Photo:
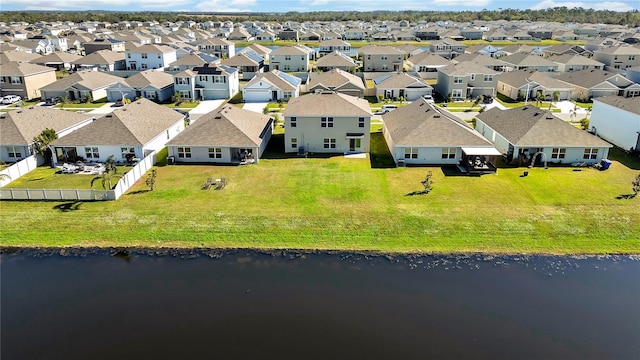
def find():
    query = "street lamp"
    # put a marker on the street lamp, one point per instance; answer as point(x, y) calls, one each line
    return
point(526, 96)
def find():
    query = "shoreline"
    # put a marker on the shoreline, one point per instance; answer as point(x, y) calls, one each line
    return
point(216, 253)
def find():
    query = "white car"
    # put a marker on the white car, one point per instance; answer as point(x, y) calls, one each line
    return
point(11, 99)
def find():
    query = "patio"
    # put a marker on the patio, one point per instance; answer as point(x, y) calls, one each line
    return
point(82, 168)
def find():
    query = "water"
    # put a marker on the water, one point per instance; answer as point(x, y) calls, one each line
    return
point(317, 306)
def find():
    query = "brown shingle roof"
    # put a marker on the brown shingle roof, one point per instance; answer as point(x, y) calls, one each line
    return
point(628, 104)
point(19, 127)
point(85, 79)
point(228, 126)
point(22, 69)
point(327, 103)
point(134, 124)
point(531, 126)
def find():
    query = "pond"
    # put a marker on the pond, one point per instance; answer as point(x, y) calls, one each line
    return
point(98, 304)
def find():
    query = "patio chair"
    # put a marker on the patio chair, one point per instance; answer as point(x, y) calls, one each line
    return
point(207, 184)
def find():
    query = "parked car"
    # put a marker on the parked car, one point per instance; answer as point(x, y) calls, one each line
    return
point(53, 100)
point(487, 99)
point(429, 98)
point(118, 103)
point(11, 99)
point(386, 108)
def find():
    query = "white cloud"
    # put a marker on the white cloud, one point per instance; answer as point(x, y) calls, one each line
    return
point(226, 5)
point(607, 5)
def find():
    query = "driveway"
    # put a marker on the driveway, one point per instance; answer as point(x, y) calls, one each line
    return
point(206, 106)
point(255, 106)
point(104, 109)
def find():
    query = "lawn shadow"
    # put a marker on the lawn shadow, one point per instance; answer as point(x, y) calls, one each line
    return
point(138, 192)
point(414, 193)
point(69, 206)
point(626, 196)
point(451, 170)
point(628, 159)
point(379, 155)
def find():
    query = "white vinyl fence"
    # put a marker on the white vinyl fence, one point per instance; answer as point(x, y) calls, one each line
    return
point(18, 169)
point(125, 183)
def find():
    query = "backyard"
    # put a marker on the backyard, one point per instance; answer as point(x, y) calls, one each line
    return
point(333, 202)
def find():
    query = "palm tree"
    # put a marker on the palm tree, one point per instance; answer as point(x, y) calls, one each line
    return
point(42, 141)
point(476, 102)
point(109, 174)
point(539, 98)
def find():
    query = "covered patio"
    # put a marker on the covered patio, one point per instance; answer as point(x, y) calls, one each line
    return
point(478, 160)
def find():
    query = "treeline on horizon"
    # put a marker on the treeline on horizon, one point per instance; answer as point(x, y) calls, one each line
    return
point(558, 14)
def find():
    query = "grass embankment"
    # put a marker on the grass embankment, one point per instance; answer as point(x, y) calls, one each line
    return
point(340, 203)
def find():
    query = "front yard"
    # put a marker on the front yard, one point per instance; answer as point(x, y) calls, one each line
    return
point(345, 203)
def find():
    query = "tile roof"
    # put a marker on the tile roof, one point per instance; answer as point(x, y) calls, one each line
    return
point(326, 104)
point(422, 124)
point(531, 126)
point(19, 127)
point(136, 123)
point(227, 126)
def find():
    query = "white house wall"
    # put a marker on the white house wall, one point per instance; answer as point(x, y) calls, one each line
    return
point(615, 125)
point(311, 135)
point(160, 141)
point(426, 155)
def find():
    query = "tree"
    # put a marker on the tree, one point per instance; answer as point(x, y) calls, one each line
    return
point(109, 174)
point(42, 141)
point(636, 185)
point(89, 98)
point(427, 183)
point(584, 123)
point(556, 96)
point(539, 98)
point(476, 102)
point(177, 96)
point(151, 180)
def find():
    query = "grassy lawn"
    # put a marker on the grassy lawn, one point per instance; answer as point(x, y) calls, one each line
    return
point(79, 106)
point(183, 104)
point(353, 204)
point(44, 177)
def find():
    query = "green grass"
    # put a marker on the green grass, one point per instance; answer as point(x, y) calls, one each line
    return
point(350, 204)
point(45, 177)
point(79, 106)
point(183, 104)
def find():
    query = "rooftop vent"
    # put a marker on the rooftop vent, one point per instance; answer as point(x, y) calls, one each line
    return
point(109, 115)
point(436, 116)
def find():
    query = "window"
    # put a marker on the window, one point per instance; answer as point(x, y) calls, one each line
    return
point(16, 80)
point(159, 56)
point(329, 143)
point(473, 77)
point(202, 78)
point(128, 56)
point(449, 153)
point(91, 153)
point(410, 153)
point(294, 143)
point(632, 57)
point(288, 95)
point(287, 57)
point(326, 121)
point(143, 66)
point(456, 93)
point(144, 56)
point(215, 153)
point(14, 152)
point(488, 78)
point(286, 67)
point(383, 57)
point(219, 79)
point(457, 79)
point(294, 121)
point(590, 153)
point(127, 150)
point(558, 153)
point(361, 122)
point(184, 152)
point(182, 81)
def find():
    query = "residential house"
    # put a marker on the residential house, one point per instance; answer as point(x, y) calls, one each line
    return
point(58, 61)
point(266, 36)
point(447, 48)
point(617, 120)
point(104, 44)
point(289, 34)
point(487, 50)
point(18, 56)
point(484, 60)
point(19, 127)
point(208, 82)
point(527, 61)
point(376, 58)
point(574, 62)
point(466, 80)
point(290, 58)
point(133, 130)
point(80, 85)
point(327, 122)
point(24, 79)
point(103, 60)
point(240, 34)
point(566, 49)
point(401, 86)
point(34, 46)
point(423, 134)
point(355, 34)
point(329, 46)
point(601, 43)
point(617, 58)
point(526, 84)
point(497, 34)
point(262, 51)
point(336, 60)
point(193, 60)
point(226, 135)
point(150, 57)
point(430, 33)
point(336, 80)
point(522, 133)
point(472, 33)
point(271, 86)
point(594, 83)
point(310, 35)
point(150, 84)
point(521, 48)
point(221, 48)
point(248, 64)
point(427, 64)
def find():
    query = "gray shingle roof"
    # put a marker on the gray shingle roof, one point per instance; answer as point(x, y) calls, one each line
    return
point(156, 79)
point(587, 78)
point(22, 69)
point(136, 123)
point(227, 126)
point(628, 104)
point(100, 57)
point(19, 127)
point(84, 79)
point(420, 124)
point(531, 126)
point(335, 78)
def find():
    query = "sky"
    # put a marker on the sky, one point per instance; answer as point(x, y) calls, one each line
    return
point(309, 5)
